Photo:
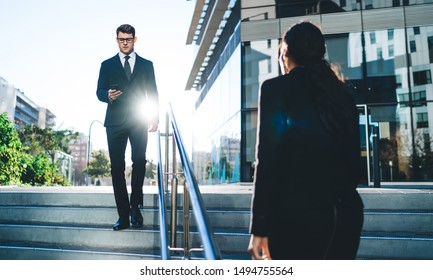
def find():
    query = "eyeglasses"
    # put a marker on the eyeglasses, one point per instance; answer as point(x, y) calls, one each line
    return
point(122, 40)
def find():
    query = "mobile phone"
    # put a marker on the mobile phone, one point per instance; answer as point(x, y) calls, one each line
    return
point(114, 86)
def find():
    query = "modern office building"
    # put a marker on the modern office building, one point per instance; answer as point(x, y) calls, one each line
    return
point(7, 98)
point(26, 111)
point(21, 109)
point(383, 50)
point(46, 118)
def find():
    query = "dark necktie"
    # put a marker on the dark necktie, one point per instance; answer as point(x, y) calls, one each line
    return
point(127, 67)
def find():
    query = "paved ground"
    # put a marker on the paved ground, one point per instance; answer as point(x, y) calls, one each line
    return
point(226, 188)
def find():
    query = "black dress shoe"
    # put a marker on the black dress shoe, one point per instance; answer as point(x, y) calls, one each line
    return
point(136, 217)
point(119, 225)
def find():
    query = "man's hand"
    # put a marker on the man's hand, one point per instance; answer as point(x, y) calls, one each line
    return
point(152, 128)
point(113, 94)
point(258, 243)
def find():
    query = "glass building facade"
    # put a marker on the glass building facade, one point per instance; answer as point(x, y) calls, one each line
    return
point(216, 147)
point(216, 143)
point(382, 49)
point(384, 52)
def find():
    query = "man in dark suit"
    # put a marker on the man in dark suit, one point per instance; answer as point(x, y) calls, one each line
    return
point(127, 84)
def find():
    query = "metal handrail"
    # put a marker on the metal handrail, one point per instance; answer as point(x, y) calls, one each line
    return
point(210, 247)
point(161, 211)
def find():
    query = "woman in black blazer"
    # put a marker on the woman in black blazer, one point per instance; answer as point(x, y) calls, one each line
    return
point(305, 203)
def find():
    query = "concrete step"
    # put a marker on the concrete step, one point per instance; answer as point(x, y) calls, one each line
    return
point(374, 220)
point(76, 235)
point(397, 199)
point(103, 197)
point(40, 251)
point(238, 198)
point(398, 221)
point(106, 216)
point(37, 251)
point(56, 238)
point(371, 247)
point(383, 245)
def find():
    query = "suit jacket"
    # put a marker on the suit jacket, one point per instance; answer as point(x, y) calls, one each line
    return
point(140, 89)
point(299, 164)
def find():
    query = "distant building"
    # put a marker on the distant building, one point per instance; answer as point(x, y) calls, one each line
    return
point(79, 150)
point(26, 111)
point(21, 109)
point(7, 98)
point(46, 118)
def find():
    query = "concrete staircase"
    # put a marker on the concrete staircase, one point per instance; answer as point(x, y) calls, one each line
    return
point(76, 223)
point(398, 224)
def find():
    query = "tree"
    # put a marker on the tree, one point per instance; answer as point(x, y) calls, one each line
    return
point(12, 160)
point(27, 163)
point(42, 145)
point(40, 171)
point(46, 140)
point(99, 166)
point(150, 170)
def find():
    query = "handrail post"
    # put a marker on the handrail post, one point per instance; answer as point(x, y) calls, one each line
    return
point(174, 189)
point(167, 142)
point(186, 229)
point(161, 210)
point(174, 161)
point(174, 184)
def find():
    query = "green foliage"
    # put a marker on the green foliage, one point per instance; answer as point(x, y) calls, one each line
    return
point(46, 140)
point(27, 155)
point(99, 166)
point(40, 171)
point(11, 152)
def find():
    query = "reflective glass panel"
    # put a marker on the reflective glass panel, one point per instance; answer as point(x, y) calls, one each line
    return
point(259, 64)
point(217, 126)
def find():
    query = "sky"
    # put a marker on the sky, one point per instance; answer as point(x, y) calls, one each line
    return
point(52, 51)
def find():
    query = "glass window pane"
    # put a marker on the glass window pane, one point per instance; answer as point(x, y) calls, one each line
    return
point(385, 70)
point(412, 46)
point(430, 48)
point(259, 63)
point(394, 143)
point(249, 134)
point(421, 77)
point(422, 156)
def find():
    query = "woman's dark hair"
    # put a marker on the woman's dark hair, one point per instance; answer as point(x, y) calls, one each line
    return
point(126, 28)
point(306, 48)
point(305, 42)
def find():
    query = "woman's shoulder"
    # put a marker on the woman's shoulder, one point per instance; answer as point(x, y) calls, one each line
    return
point(272, 82)
point(293, 79)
